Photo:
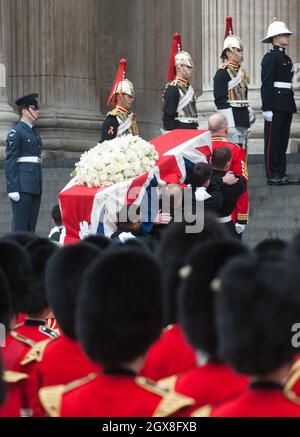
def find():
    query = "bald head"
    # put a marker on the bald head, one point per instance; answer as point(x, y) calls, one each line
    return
point(217, 124)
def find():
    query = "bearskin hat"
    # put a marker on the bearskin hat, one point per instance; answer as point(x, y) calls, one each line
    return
point(5, 301)
point(21, 237)
point(257, 304)
point(196, 297)
point(176, 244)
point(15, 262)
point(274, 247)
point(100, 241)
point(40, 251)
point(63, 277)
point(120, 309)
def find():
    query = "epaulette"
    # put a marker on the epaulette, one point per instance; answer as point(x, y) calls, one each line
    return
point(168, 383)
point(48, 331)
point(202, 411)
point(22, 338)
point(51, 397)
point(246, 76)
point(168, 327)
point(244, 169)
point(223, 66)
point(171, 401)
point(36, 352)
point(114, 112)
point(11, 377)
point(290, 384)
point(173, 83)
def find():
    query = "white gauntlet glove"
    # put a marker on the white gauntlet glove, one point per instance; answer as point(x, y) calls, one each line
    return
point(252, 115)
point(14, 196)
point(268, 116)
point(239, 228)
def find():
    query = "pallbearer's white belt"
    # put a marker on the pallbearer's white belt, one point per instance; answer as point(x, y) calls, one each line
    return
point(287, 85)
point(35, 159)
point(187, 120)
point(225, 219)
point(238, 103)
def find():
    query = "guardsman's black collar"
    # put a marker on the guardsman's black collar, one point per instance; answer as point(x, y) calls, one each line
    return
point(120, 371)
point(34, 322)
point(279, 49)
point(266, 385)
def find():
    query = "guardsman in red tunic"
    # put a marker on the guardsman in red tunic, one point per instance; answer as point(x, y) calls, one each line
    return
point(171, 354)
point(63, 277)
point(211, 380)
point(218, 126)
point(5, 315)
point(119, 317)
point(24, 339)
point(257, 303)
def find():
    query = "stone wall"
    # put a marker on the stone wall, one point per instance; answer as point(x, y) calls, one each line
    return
point(68, 52)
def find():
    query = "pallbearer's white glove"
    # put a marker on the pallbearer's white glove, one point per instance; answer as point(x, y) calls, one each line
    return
point(85, 230)
point(14, 196)
point(252, 115)
point(268, 116)
point(239, 228)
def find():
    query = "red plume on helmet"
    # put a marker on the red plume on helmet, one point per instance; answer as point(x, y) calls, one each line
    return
point(228, 29)
point(176, 47)
point(121, 75)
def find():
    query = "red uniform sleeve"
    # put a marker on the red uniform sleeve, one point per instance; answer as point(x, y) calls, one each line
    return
point(239, 167)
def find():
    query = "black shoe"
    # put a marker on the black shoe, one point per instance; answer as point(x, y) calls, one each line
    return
point(279, 181)
point(291, 180)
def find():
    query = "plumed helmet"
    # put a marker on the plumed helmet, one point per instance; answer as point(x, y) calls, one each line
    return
point(178, 57)
point(125, 87)
point(121, 83)
point(276, 28)
point(231, 41)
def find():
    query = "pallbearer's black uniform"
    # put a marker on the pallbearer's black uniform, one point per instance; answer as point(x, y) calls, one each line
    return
point(277, 96)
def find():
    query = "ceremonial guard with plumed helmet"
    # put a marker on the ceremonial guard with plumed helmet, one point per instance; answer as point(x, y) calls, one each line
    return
point(231, 88)
point(179, 111)
point(120, 120)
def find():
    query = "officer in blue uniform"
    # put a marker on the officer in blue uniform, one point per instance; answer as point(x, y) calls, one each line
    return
point(278, 103)
point(23, 166)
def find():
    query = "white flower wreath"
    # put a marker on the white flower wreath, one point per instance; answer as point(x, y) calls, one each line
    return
point(114, 161)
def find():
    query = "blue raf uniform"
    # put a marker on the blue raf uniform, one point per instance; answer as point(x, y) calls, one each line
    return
point(277, 96)
point(23, 169)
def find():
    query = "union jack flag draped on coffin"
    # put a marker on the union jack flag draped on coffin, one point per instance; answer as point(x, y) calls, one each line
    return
point(178, 151)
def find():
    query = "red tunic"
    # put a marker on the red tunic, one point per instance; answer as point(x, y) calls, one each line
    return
point(112, 396)
point(61, 362)
point(239, 167)
point(208, 384)
point(18, 343)
point(169, 355)
point(259, 402)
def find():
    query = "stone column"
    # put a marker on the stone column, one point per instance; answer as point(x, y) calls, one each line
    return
point(250, 22)
point(53, 53)
point(7, 115)
point(141, 31)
